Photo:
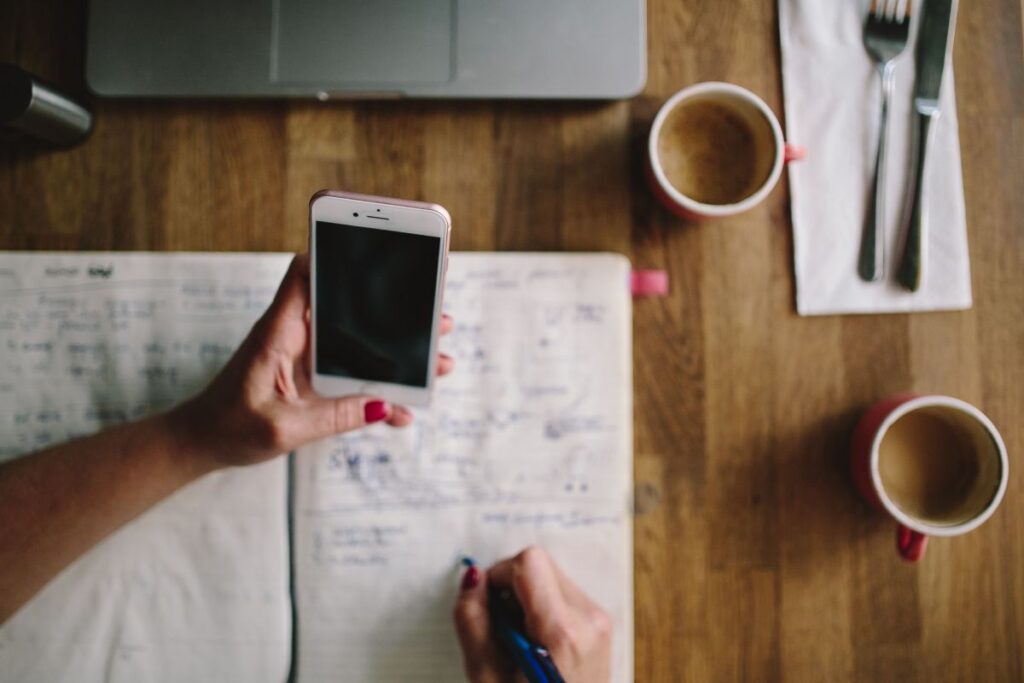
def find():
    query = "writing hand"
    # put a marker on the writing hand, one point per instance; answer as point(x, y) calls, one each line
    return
point(558, 615)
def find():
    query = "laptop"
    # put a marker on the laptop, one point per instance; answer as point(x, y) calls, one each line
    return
point(327, 49)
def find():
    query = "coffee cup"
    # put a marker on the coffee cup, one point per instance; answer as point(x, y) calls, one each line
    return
point(715, 150)
point(935, 464)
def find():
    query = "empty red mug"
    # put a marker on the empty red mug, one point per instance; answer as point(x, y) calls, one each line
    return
point(935, 464)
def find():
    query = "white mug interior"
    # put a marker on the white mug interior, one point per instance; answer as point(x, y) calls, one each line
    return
point(993, 466)
point(762, 123)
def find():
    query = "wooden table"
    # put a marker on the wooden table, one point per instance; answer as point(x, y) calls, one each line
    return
point(755, 560)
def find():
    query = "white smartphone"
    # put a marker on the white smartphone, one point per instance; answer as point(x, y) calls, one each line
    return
point(377, 268)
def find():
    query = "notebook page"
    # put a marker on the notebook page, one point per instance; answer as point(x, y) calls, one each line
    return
point(197, 588)
point(528, 442)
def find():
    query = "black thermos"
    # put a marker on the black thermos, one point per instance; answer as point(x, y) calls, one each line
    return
point(30, 106)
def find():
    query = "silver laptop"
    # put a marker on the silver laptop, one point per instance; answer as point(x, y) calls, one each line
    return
point(367, 48)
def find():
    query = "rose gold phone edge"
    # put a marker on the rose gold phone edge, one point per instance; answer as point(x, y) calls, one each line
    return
point(403, 394)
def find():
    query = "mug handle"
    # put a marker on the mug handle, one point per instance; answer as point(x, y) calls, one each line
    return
point(910, 544)
point(791, 152)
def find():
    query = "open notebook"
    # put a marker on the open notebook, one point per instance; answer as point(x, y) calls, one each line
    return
point(341, 563)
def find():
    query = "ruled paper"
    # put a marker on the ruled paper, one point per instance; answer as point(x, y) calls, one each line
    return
point(529, 441)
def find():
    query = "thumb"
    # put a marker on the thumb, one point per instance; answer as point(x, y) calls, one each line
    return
point(329, 416)
point(473, 627)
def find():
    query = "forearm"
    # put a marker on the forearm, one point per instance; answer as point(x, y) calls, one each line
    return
point(58, 503)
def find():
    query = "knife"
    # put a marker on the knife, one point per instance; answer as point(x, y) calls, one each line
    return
point(934, 39)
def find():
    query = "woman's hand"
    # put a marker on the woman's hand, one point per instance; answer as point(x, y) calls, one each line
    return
point(262, 404)
point(558, 615)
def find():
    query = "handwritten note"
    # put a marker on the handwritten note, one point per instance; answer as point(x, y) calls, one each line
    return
point(196, 589)
point(528, 442)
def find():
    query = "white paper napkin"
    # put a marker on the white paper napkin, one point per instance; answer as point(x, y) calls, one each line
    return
point(833, 99)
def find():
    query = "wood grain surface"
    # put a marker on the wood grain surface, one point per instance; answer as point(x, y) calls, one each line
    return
point(755, 559)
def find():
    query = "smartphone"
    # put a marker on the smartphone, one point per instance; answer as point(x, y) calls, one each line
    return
point(377, 268)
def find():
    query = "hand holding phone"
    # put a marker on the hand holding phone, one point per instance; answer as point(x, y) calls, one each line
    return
point(377, 279)
point(262, 404)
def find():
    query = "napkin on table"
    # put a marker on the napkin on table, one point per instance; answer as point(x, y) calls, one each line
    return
point(832, 97)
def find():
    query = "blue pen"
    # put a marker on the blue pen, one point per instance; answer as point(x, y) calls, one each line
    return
point(533, 660)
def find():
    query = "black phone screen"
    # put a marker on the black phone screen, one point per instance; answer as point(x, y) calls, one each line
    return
point(375, 303)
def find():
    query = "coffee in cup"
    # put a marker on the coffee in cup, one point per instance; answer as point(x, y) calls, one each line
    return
point(712, 153)
point(934, 463)
point(715, 149)
point(936, 467)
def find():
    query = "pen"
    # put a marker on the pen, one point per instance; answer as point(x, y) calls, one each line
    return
point(532, 659)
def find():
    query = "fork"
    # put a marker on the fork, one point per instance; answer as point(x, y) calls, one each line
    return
point(886, 28)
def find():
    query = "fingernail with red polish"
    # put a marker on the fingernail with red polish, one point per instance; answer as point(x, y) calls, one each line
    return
point(375, 411)
point(471, 579)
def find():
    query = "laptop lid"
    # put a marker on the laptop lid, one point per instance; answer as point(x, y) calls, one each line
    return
point(366, 48)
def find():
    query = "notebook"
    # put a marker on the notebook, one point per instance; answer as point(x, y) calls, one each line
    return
point(339, 563)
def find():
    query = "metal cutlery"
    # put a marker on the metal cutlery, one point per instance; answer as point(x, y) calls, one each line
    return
point(932, 44)
point(886, 28)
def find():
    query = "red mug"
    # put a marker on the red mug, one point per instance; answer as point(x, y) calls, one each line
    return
point(748, 106)
point(935, 464)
